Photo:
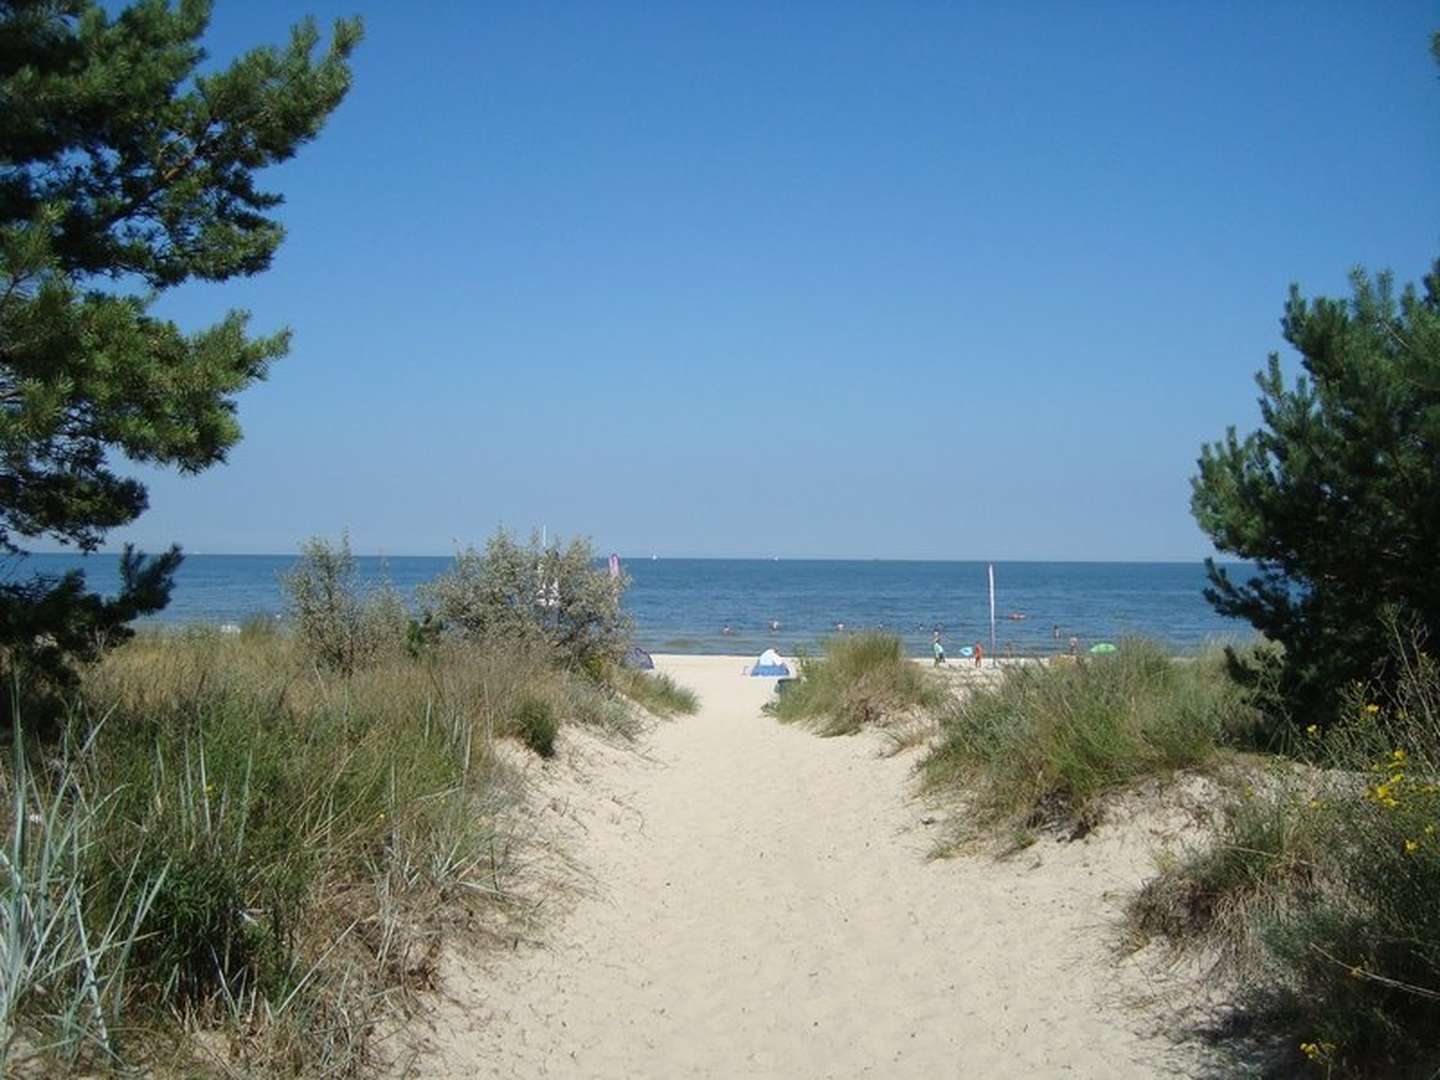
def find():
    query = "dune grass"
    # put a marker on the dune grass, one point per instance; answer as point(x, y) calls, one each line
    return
point(654, 691)
point(858, 680)
point(1043, 743)
point(1319, 891)
point(230, 837)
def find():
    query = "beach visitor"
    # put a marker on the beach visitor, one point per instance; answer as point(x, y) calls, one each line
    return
point(979, 653)
point(939, 649)
point(1074, 645)
point(774, 625)
point(727, 629)
point(1055, 631)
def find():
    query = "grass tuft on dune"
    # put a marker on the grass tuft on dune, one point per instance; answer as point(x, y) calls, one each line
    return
point(858, 680)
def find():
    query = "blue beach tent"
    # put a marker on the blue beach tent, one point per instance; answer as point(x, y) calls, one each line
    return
point(769, 663)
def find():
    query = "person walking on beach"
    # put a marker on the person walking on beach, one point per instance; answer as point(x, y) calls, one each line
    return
point(939, 649)
point(979, 654)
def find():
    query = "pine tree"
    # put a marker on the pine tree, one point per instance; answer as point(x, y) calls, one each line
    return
point(1337, 497)
point(125, 172)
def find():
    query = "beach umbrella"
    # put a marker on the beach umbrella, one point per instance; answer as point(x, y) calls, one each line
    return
point(1101, 648)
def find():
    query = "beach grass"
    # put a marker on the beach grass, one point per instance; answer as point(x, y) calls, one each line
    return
point(857, 681)
point(654, 691)
point(230, 837)
point(1043, 743)
point(1317, 894)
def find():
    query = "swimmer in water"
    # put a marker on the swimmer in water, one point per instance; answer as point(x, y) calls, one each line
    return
point(726, 629)
point(774, 625)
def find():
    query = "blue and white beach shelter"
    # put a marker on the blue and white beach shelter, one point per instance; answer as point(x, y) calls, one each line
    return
point(769, 663)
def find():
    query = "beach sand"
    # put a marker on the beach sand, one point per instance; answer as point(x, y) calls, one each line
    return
point(755, 901)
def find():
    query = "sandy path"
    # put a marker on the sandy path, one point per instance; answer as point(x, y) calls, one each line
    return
point(763, 908)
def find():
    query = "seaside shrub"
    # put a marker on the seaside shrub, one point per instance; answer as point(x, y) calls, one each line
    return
point(1319, 888)
point(1041, 744)
point(341, 627)
point(857, 681)
point(529, 592)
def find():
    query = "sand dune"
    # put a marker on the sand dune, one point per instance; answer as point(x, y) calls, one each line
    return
point(761, 905)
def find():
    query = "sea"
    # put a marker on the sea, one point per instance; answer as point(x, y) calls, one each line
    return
point(741, 606)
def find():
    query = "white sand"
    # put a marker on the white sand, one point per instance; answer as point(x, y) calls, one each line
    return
point(762, 906)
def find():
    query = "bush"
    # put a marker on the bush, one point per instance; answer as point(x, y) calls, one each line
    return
point(858, 680)
point(554, 595)
point(341, 627)
point(1327, 880)
point(1043, 743)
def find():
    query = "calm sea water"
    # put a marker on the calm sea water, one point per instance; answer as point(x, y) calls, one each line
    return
point(683, 605)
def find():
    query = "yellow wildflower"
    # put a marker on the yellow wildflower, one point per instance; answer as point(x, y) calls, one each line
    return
point(1397, 755)
point(1372, 709)
point(1313, 731)
point(1411, 847)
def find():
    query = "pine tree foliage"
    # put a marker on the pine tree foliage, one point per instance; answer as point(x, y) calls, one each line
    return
point(1337, 497)
point(123, 168)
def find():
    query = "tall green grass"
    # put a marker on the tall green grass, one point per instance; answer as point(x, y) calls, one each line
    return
point(858, 680)
point(1044, 742)
point(231, 836)
point(654, 691)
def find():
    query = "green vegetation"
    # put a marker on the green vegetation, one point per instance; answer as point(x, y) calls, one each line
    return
point(1043, 743)
point(269, 833)
point(121, 165)
point(859, 680)
point(1319, 890)
point(1337, 497)
point(339, 626)
point(236, 836)
point(545, 593)
point(655, 691)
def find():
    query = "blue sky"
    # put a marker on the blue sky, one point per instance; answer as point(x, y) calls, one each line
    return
point(890, 279)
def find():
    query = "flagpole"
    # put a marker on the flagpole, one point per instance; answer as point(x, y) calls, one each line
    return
point(992, 612)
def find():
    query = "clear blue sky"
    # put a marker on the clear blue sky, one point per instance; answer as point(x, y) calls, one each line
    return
point(807, 279)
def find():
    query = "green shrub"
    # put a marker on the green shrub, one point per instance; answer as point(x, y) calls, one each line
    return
point(534, 593)
point(1323, 883)
point(342, 627)
point(1044, 742)
point(535, 724)
point(859, 680)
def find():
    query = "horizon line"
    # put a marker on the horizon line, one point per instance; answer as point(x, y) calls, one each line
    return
point(663, 558)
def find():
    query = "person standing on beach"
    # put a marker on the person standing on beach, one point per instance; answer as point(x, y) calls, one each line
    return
point(979, 654)
point(939, 649)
